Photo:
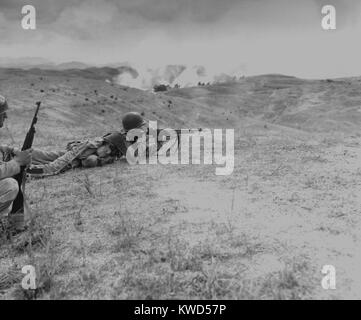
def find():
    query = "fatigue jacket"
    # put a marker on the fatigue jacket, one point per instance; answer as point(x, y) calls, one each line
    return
point(8, 166)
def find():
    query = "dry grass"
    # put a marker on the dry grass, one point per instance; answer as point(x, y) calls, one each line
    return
point(158, 232)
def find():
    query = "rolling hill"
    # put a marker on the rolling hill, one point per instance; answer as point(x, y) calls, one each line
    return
point(155, 232)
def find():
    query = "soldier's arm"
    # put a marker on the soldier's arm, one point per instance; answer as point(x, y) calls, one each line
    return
point(9, 169)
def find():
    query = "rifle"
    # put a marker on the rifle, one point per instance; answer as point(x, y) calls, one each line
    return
point(18, 204)
point(158, 132)
point(119, 140)
point(179, 134)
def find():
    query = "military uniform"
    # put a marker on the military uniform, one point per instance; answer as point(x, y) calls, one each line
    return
point(87, 154)
point(8, 168)
point(91, 153)
point(9, 187)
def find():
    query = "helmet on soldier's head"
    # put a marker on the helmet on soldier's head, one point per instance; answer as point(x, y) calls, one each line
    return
point(132, 120)
point(117, 141)
point(3, 104)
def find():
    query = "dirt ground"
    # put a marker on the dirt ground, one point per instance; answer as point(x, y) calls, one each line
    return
point(291, 206)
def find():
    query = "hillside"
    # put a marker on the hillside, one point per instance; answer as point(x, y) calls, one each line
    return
point(128, 232)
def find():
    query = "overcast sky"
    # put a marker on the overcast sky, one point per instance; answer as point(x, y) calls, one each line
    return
point(256, 36)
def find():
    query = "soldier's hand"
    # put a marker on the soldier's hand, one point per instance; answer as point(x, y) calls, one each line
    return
point(23, 158)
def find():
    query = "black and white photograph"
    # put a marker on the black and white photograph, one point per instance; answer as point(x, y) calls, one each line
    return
point(180, 150)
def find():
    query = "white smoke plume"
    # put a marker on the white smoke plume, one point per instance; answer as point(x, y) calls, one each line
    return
point(145, 78)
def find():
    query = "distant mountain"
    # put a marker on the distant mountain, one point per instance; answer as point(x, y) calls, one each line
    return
point(25, 62)
point(136, 76)
point(116, 65)
point(40, 63)
point(72, 65)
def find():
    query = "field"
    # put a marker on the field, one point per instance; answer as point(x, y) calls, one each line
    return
point(291, 206)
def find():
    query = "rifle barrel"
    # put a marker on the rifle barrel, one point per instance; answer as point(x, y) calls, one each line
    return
point(18, 204)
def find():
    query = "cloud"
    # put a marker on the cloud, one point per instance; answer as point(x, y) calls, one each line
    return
point(201, 11)
point(106, 19)
point(88, 20)
point(3, 21)
point(264, 35)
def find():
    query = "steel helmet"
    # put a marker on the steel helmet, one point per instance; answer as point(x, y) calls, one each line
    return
point(117, 140)
point(132, 120)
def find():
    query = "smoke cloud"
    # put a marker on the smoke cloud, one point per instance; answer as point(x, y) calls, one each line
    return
point(146, 78)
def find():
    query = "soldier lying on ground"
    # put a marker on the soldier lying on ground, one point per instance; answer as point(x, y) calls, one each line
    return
point(97, 152)
point(88, 154)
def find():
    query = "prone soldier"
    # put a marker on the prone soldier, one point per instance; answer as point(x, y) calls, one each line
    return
point(90, 153)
